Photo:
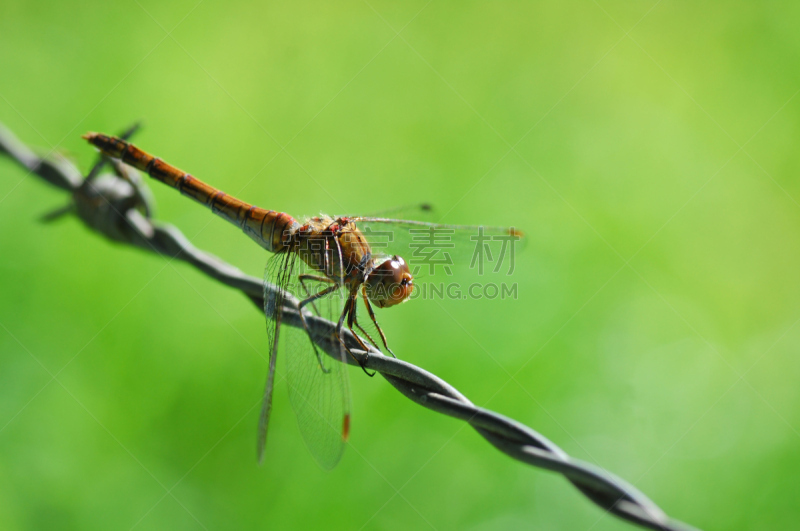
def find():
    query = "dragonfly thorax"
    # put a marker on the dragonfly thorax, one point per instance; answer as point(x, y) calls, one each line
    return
point(335, 248)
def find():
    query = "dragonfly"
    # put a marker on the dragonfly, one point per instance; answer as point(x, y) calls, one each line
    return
point(323, 266)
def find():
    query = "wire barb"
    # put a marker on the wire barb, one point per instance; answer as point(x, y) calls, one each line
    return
point(122, 216)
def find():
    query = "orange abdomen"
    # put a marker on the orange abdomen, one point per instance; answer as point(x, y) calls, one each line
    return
point(268, 228)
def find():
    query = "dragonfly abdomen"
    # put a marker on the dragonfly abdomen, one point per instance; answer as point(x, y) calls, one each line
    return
point(272, 230)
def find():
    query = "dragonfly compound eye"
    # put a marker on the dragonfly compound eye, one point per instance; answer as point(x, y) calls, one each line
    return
point(390, 283)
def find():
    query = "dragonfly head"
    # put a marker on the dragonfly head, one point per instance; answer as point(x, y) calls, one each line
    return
point(389, 283)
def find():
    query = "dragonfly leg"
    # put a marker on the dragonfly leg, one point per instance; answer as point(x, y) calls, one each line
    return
point(315, 278)
point(371, 341)
point(311, 299)
point(348, 308)
point(375, 321)
point(352, 319)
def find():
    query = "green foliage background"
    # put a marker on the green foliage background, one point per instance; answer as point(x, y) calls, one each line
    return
point(654, 164)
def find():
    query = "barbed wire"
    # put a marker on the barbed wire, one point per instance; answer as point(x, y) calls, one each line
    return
point(116, 205)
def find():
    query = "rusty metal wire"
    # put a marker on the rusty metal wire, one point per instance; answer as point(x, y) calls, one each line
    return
point(115, 204)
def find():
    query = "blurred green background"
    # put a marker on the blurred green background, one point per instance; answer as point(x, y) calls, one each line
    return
point(654, 162)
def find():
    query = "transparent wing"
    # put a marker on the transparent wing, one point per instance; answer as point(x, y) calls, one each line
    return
point(316, 378)
point(432, 248)
point(422, 211)
point(276, 279)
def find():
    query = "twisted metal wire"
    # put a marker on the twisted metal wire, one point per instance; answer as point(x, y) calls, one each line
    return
point(112, 204)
